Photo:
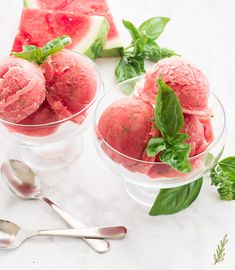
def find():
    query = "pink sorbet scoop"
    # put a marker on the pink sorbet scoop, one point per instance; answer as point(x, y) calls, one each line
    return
point(188, 82)
point(126, 126)
point(22, 89)
point(71, 83)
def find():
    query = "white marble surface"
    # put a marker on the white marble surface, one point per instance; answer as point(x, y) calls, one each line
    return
point(204, 32)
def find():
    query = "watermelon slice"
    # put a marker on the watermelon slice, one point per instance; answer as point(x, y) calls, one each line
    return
point(113, 45)
point(38, 26)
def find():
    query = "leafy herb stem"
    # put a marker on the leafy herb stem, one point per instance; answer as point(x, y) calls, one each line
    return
point(219, 255)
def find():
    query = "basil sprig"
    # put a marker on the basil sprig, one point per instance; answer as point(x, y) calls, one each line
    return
point(40, 55)
point(170, 121)
point(174, 200)
point(143, 46)
point(223, 177)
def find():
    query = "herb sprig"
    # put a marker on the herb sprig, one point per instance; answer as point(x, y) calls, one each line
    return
point(39, 55)
point(143, 46)
point(170, 121)
point(219, 255)
point(223, 177)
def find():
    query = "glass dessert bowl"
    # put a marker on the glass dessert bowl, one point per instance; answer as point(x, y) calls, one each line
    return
point(53, 145)
point(143, 178)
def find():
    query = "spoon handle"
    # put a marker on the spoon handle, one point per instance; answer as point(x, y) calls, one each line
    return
point(99, 245)
point(118, 232)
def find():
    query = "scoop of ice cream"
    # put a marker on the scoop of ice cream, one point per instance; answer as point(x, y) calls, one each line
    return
point(126, 126)
point(200, 133)
point(44, 115)
point(188, 82)
point(71, 83)
point(22, 89)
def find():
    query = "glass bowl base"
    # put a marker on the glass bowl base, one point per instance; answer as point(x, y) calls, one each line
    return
point(143, 196)
point(52, 156)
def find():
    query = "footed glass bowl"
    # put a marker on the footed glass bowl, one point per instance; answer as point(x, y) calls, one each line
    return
point(143, 179)
point(54, 145)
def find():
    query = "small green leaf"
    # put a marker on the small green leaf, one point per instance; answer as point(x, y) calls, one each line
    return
point(223, 177)
point(132, 29)
point(177, 156)
point(174, 200)
point(40, 55)
point(154, 53)
point(228, 165)
point(168, 111)
point(124, 71)
point(30, 53)
point(155, 145)
point(56, 45)
point(128, 67)
point(153, 27)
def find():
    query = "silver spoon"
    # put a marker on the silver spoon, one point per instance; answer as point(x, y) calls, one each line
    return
point(12, 236)
point(24, 183)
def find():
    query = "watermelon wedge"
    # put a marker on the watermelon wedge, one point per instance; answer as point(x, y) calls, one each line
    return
point(38, 26)
point(113, 45)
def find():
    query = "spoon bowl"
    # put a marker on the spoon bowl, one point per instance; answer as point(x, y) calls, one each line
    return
point(21, 179)
point(11, 235)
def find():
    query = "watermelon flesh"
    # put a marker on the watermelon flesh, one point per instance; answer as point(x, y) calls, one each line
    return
point(89, 7)
point(38, 26)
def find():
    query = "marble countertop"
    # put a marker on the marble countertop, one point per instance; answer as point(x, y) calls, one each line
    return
point(202, 31)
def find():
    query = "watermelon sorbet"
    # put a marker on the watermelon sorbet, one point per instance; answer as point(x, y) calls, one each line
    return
point(22, 89)
point(126, 126)
point(31, 95)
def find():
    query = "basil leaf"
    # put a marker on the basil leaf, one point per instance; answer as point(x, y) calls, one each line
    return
point(154, 53)
point(177, 156)
point(124, 71)
point(132, 29)
point(180, 137)
point(30, 53)
point(56, 45)
point(153, 27)
point(174, 200)
point(223, 177)
point(40, 55)
point(138, 64)
point(139, 46)
point(128, 68)
point(168, 111)
point(228, 165)
point(155, 145)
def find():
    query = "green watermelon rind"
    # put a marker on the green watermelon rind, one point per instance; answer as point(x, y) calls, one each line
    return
point(96, 48)
point(113, 48)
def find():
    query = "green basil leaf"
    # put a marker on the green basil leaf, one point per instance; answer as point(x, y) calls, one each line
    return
point(155, 145)
point(174, 200)
point(129, 67)
point(177, 156)
point(153, 27)
point(138, 64)
point(168, 111)
point(223, 177)
point(30, 53)
point(56, 45)
point(154, 53)
point(40, 55)
point(180, 138)
point(132, 29)
point(228, 165)
point(124, 71)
